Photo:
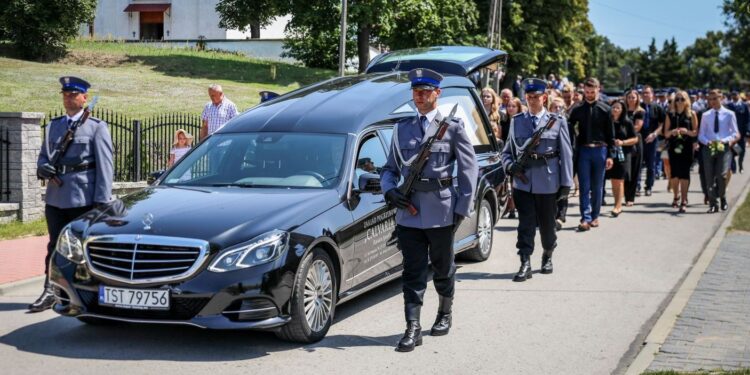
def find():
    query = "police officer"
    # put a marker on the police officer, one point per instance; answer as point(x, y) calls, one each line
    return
point(441, 207)
point(85, 169)
point(549, 175)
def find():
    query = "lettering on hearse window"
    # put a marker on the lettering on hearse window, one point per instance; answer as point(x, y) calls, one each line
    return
point(378, 230)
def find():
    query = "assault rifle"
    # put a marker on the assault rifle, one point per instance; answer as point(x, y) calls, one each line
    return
point(529, 146)
point(67, 139)
point(415, 170)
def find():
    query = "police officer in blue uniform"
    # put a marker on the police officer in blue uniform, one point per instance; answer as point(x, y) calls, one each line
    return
point(441, 206)
point(85, 169)
point(549, 175)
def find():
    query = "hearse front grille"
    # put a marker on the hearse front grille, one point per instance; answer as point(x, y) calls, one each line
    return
point(141, 259)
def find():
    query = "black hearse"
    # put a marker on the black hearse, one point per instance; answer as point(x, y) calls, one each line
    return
point(277, 217)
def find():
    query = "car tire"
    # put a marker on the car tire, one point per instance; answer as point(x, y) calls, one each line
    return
point(313, 300)
point(485, 233)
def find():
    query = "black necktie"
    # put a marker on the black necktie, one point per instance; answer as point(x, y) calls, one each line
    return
point(70, 121)
point(422, 125)
point(716, 122)
point(534, 121)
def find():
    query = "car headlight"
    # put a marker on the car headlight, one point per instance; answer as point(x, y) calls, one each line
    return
point(262, 249)
point(69, 246)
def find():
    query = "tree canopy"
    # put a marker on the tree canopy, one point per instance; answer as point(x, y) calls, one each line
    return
point(40, 29)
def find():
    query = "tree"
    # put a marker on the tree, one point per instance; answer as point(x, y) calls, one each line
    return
point(704, 62)
point(39, 29)
point(539, 43)
point(737, 37)
point(313, 32)
point(670, 66)
point(250, 15)
point(422, 23)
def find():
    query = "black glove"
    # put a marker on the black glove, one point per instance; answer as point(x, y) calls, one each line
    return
point(397, 199)
point(46, 171)
point(515, 169)
point(457, 219)
point(562, 192)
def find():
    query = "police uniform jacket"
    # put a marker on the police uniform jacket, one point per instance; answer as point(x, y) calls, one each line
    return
point(91, 144)
point(544, 176)
point(742, 113)
point(436, 208)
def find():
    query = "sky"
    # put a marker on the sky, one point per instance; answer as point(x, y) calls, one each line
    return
point(632, 23)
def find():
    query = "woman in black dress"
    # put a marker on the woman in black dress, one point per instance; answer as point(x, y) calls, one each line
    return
point(681, 128)
point(625, 138)
point(635, 113)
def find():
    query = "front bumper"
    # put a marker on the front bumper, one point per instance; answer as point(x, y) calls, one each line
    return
point(254, 298)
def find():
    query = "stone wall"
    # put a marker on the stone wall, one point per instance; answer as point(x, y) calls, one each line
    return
point(25, 143)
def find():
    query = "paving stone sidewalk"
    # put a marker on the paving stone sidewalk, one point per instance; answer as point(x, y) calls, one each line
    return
point(713, 331)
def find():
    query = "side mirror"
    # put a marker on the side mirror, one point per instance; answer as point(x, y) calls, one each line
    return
point(154, 176)
point(370, 183)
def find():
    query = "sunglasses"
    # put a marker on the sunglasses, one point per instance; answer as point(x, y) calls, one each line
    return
point(679, 100)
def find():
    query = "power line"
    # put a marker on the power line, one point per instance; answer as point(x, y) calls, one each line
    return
point(641, 17)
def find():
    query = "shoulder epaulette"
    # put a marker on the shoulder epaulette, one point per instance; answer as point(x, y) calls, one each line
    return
point(518, 115)
point(57, 118)
point(94, 119)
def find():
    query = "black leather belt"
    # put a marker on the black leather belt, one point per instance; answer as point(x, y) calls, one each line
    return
point(595, 144)
point(65, 169)
point(433, 184)
point(547, 156)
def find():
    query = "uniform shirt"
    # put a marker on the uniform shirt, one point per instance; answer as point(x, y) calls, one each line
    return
point(742, 114)
point(544, 177)
point(593, 122)
point(436, 208)
point(91, 144)
point(218, 115)
point(727, 126)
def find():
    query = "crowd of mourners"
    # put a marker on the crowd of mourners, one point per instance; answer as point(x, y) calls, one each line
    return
point(668, 132)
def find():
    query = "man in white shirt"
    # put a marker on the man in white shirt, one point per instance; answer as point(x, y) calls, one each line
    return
point(217, 112)
point(718, 132)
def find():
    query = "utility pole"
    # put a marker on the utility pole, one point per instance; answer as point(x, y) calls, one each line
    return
point(490, 37)
point(499, 11)
point(342, 44)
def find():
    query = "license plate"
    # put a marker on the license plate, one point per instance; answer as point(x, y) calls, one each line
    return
point(141, 299)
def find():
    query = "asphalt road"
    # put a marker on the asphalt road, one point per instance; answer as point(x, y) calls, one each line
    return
point(589, 317)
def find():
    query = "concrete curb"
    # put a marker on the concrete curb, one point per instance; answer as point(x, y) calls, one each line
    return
point(663, 326)
point(12, 286)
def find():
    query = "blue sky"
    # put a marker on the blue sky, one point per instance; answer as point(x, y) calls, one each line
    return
point(633, 23)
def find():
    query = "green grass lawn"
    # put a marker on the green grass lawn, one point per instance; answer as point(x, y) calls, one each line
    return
point(17, 229)
point(741, 219)
point(141, 80)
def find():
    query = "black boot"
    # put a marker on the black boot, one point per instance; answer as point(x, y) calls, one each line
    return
point(413, 335)
point(525, 271)
point(547, 262)
point(444, 317)
point(45, 301)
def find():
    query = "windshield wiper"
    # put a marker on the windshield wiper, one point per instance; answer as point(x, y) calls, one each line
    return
point(235, 184)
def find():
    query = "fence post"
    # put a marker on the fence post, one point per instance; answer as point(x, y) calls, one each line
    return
point(136, 150)
point(25, 142)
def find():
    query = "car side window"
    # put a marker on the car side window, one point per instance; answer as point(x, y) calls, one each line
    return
point(370, 158)
point(468, 111)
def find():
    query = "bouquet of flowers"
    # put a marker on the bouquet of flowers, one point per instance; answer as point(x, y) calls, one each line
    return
point(715, 147)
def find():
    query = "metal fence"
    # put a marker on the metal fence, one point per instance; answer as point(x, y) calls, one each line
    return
point(4, 165)
point(141, 146)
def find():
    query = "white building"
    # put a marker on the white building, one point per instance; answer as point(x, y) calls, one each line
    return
point(167, 20)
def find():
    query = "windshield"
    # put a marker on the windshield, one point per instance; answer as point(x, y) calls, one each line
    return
point(284, 160)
